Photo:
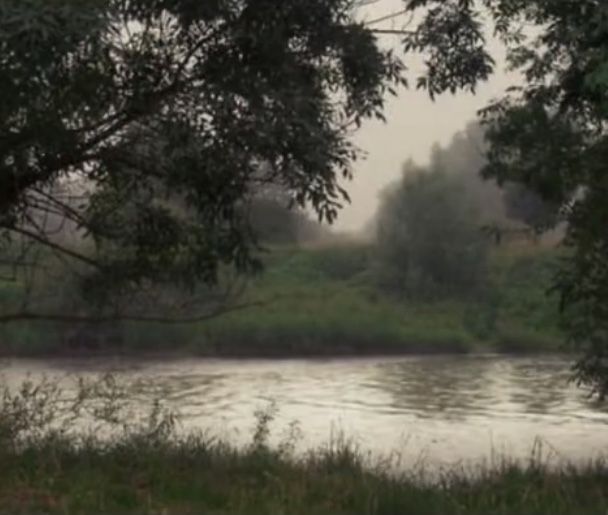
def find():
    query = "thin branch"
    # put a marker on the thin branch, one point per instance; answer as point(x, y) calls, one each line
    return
point(55, 246)
point(397, 32)
point(122, 119)
point(21, 316)
point(66, 210)
point(390, 16)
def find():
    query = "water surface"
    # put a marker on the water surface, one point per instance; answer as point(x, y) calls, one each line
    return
point(441, 410)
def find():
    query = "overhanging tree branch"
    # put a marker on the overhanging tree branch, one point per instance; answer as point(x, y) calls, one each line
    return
point(387, 17)
point(20, 316)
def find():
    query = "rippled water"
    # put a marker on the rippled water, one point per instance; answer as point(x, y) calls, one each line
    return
point(441, 409)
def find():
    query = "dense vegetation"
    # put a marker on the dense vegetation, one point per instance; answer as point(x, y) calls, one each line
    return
point(430, 279)
point(336, 304)
point(332, 300)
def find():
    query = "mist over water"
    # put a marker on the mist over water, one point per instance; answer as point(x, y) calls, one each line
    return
point(441, 410)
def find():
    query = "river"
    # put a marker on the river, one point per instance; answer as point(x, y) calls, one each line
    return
point(437, 410)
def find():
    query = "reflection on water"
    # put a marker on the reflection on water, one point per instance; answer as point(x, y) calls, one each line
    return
point(447, 408)
point(443, 388)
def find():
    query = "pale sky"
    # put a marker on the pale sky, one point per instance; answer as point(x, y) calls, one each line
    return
point(414, 124)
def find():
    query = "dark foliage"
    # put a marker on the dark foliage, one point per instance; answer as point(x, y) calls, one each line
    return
point(549, 134)
point(114, 111)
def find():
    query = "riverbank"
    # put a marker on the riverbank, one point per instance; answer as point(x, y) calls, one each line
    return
point(326, 302)
point(147, 476)
point(140, 462)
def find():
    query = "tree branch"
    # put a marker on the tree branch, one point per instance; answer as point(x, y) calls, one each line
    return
point(55, 246)
point(387, 17)
point(25, 315)
point(397, 32)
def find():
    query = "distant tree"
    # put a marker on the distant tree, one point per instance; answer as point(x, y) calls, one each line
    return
point(429, 238)
point(464, 157)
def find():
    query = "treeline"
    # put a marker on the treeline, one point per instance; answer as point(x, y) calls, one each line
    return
point(436, 246)
point(435, 225)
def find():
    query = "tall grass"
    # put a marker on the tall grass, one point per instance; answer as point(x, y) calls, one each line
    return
point(141, 465)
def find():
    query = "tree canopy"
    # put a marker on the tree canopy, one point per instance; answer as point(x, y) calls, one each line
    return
point(114, 112)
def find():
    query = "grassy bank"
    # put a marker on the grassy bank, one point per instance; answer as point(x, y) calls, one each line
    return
point(191, 476)
point(146, 469)
point(326, 301)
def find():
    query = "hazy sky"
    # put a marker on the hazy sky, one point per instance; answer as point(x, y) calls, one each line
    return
point(414, 123)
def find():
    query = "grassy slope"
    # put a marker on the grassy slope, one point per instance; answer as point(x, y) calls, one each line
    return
point(325, 301)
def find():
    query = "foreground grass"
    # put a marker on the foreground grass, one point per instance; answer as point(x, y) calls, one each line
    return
point(191, 476)
point(142, 466)
point(326, 301)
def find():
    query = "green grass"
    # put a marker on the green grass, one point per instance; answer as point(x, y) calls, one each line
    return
point(326, 301)
point(193, 475)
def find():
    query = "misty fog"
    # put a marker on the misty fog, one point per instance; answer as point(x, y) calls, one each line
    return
point(414, 123)
point(193, 319)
